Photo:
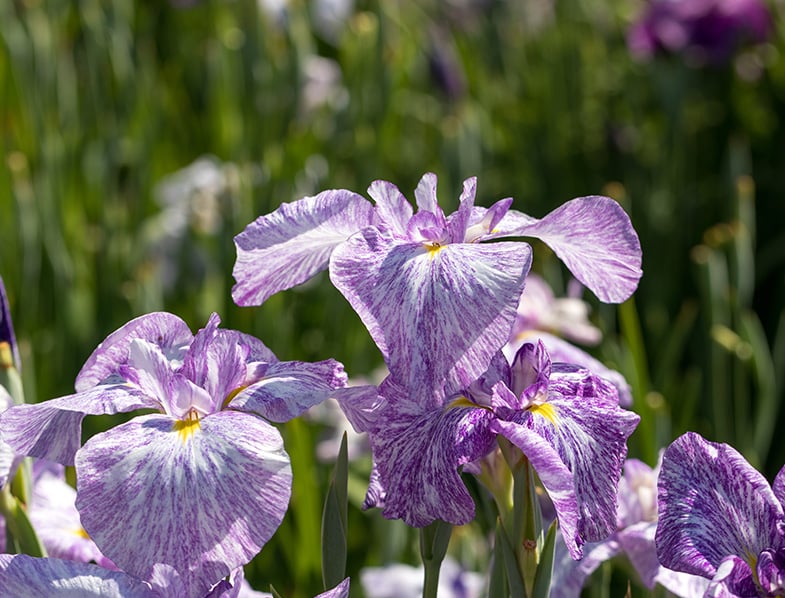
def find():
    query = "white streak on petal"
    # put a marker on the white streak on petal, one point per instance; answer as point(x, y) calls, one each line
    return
point(288, 246)
point(203, 503)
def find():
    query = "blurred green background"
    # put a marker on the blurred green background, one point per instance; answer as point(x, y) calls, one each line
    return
point(104, 104)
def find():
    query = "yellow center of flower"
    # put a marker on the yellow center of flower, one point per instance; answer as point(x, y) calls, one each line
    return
point(6, 357)
point(187, 426)
point(433, 248)
point(81, 533)
point(231, 395)
point(546, 410)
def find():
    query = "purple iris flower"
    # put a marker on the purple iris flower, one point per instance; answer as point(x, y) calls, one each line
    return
point(423, 283)
point(564, 419)
point(23, 576)
point(709, 31)
point(199, 486)
point(719, 518)
point(636, 521)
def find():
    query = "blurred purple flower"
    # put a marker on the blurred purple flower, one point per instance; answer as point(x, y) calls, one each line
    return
point(636, 519)
point(706, 31)
point(7, 335)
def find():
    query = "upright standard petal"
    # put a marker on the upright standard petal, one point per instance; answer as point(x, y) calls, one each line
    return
point(165, 330)
point(595, 239)
point(288, 246)
point(23, 576)
point(452, 306)
point(392, 208)
point(218, 488)
point(712, 505)
point(288, 388)
point(52, 429)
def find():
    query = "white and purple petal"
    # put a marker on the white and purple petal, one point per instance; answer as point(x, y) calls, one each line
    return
point(562, 351)
point(594, 237)
point(339, 591)
point(418, 456)
point(165, 330)
point(288, 388)
point(569, 575)
point(712, 505)
point(52, 429)
point(392, 208)
point(288, 246)
point(23, 576)
point(218, 490)
point(451, 306)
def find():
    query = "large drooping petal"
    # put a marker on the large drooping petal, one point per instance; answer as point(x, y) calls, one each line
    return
point(288, 246)
point(52, 429)
point(162, 329)
point(594, 237)
point(418, 455)
point(452, 307)
point(23, 576)
point(288, 388)
point(713, 504)
point(218, 488)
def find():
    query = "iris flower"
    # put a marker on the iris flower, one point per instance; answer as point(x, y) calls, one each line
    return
point(423, 283)
point(200, 485)
point(564, 419)
point(636, 521)
point(719, 518)
point(23, 576)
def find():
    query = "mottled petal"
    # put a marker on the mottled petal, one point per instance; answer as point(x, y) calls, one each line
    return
point(289, 388)
point(288, 246)
point(733, 579)
point(392, 208)
point(216, 362)
point(418, 456)
point(779, 486)
point(202, 499)
point(425, 194)
point(22, 576)
point(453, 306)
point(52, 429)
point(712, 504)
point(570, 575)
point(683, 584)
point(339, 591)
point(375, 495)
point(165, 330)
point(595, 239)
point(360, 404)
point(555, 476)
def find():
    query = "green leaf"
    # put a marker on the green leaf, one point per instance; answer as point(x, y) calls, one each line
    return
point(335, 522)
point(542, 579)
point(19, 531)
point(514, 578)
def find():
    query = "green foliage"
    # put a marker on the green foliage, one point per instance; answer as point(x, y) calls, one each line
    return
point(100, 102)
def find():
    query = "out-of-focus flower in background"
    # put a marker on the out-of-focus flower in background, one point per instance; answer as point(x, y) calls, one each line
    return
point(406, 581)
point(704, 31)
